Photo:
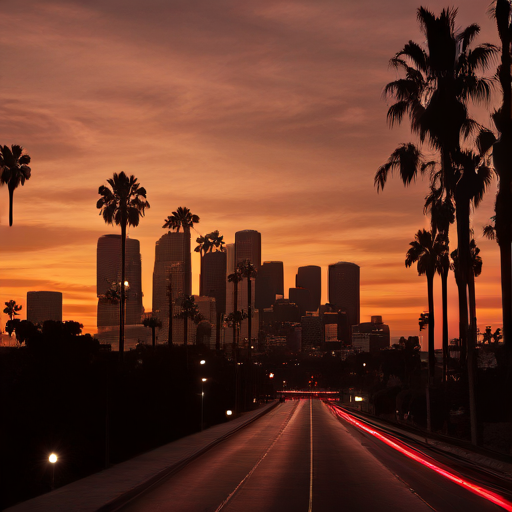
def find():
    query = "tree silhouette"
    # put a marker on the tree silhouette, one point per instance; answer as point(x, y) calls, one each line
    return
point(124, 203)
point(14, 171)
point(502, 158)
point(153, 323)
point(438, 83)
point(248, 271)
point(235, 278)
point(11, 309)
point(183, 218)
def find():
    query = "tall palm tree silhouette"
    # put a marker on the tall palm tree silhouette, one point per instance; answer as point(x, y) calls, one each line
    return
point(153, 323)
point(14, 171)
point(11, 310)
point(183, 218)
point(235, 278)
point(426, 252)
point(502, 158)
point(124, 203)
point(438, 83)
point(248, 271)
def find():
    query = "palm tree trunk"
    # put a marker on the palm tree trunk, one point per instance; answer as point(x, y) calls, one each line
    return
point(472, 360)
point(444, 294)
point(185, 330)
point(249, 318)
point(153, 337)
point(123, 293)
point(431, 354)
point(11, 201)
point(201, 292)
point(188, 262)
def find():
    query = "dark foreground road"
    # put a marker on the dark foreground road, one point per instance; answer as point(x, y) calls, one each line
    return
point(301, 457)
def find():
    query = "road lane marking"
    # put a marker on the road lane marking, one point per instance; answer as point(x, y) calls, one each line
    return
point(288, 422)
point(310, 508)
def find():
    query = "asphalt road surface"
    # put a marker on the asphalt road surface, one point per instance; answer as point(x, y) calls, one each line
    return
point(301, 457)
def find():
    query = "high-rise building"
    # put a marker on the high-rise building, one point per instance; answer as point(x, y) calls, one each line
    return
point(214, 278)
point(301, 297)
point(312, 335)
point(310, 278)
point(269, 283)
point(108, 276)
point(371, 336)
point(42, 306)
point(344, 290)
point(248, 247)
point(169, 281)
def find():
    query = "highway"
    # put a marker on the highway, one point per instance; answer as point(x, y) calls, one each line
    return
point(302, 457)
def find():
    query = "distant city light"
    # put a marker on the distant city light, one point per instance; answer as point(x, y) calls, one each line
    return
point(52, 458)
point(229, 412)
point(270, 375)
point(203, 379)
point(202, 361)
point(358, 398)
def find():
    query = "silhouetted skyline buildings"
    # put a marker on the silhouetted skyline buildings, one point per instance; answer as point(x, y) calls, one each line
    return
point(344, 289)
point(108, 277)
point(170, 281)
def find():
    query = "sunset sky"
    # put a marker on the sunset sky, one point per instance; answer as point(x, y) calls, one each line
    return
point(262, 115)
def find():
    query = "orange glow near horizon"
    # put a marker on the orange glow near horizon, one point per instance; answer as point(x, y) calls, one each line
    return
point(266, 116)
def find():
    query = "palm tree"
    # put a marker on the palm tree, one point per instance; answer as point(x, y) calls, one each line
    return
point(14, 171)
point(442, 214)
point(438, 83)
point(235, 278)
point(189, 309)
point(207, 244)
point(124, 203)
point(183, 218)
point(11, 310)
point(502, 157)
point(426, 252)
point(248, 271)
point(152, 322)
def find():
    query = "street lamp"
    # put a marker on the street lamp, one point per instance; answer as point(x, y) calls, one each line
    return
point(53, 459)
point(203, 380)
point(202, 361)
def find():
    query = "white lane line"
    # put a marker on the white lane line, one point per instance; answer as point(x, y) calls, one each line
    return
point(226, 501)
point(310, 508)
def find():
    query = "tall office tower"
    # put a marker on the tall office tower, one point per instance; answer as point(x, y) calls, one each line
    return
point(248, 247)
point(269, 283)
point(214, 278)
point(108, 275)
point(312, 335)
point(42, 306)
point(169, 280)
point(344, 290)
point(301, 297)
point(310, 277)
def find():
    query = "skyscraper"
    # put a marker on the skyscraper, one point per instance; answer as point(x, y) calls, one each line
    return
point(301, 297)
point(344, 290)
point(108, 275)
point(214, 278)
point(42, 306)
point(269, 283)
point(248, 247)
point(169, 279)
point(310, 278)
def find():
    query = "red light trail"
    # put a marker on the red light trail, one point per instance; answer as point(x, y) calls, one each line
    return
point(476, 489)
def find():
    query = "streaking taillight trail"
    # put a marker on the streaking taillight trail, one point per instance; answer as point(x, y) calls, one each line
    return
point(472, 487)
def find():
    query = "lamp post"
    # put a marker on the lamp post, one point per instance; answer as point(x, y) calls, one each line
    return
point(53, 459)
point(203, 380)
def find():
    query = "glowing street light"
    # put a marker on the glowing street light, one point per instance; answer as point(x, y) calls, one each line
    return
point(202, 361)
point(53, 459)
point(229, 413)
